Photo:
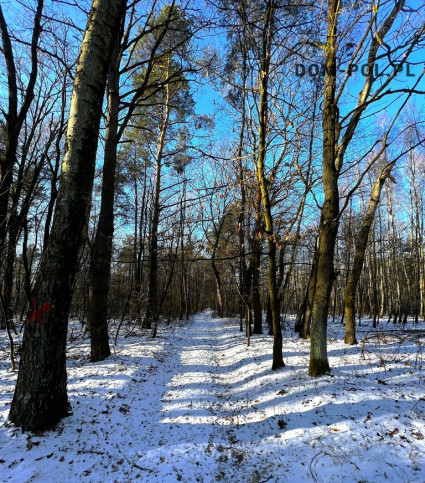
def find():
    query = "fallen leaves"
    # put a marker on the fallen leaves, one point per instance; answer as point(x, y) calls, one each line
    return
point(124, 409)
point(237, 455)
point(282, 424)
point(31, 443)
point(418, 435)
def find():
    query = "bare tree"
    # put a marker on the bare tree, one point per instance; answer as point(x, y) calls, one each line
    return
point(338, 133)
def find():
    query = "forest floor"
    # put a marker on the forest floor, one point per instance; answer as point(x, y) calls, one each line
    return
point(196, 405)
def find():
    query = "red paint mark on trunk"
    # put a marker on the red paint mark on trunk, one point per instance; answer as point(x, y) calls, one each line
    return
point(37, 314)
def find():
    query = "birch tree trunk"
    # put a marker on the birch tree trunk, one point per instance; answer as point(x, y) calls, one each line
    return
point(40, 399)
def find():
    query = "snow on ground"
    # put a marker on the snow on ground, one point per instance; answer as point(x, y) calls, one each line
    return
point(196, 405)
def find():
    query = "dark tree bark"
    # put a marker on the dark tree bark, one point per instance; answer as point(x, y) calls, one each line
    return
point(265, 196)
point(55, 165)
point(218, 286)
point(254, 267)
point(245, 272)
point(101, 252)
point(333, 159)
point(309, 297)
point(217, 230)
point(330, 211)
point(285, 276)
point(17, 219)
point(40, 399)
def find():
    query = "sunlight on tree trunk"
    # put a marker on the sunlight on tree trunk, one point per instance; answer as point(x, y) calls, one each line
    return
point(359, 256)
point(40, 399)
point(101, 252)
point(265, 196)
point(329, 221)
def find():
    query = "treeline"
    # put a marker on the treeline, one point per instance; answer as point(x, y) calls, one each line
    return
point(170, 157)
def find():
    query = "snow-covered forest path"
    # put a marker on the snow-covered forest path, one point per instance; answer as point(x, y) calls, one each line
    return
point(196, 405)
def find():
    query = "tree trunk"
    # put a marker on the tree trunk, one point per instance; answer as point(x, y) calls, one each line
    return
point(254, 268)
point(218, 288)
point(40, 399)
point(54, 167)
point(139, 244)
point(396, 305)
point(245, 273)
point(329, 220)
point(374, 280)
point(265, 197)
point(333, 157)
point(6, 316)
point(152, 306)
point(101, 252)
point(284, 277)
point(184, 305)
point(359, 256)
point(309, 297)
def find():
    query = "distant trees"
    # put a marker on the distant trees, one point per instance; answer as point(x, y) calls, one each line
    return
point(155, 97)
point(170, 107)
point(257, 95)
point(359, 254)
point(15, 118)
